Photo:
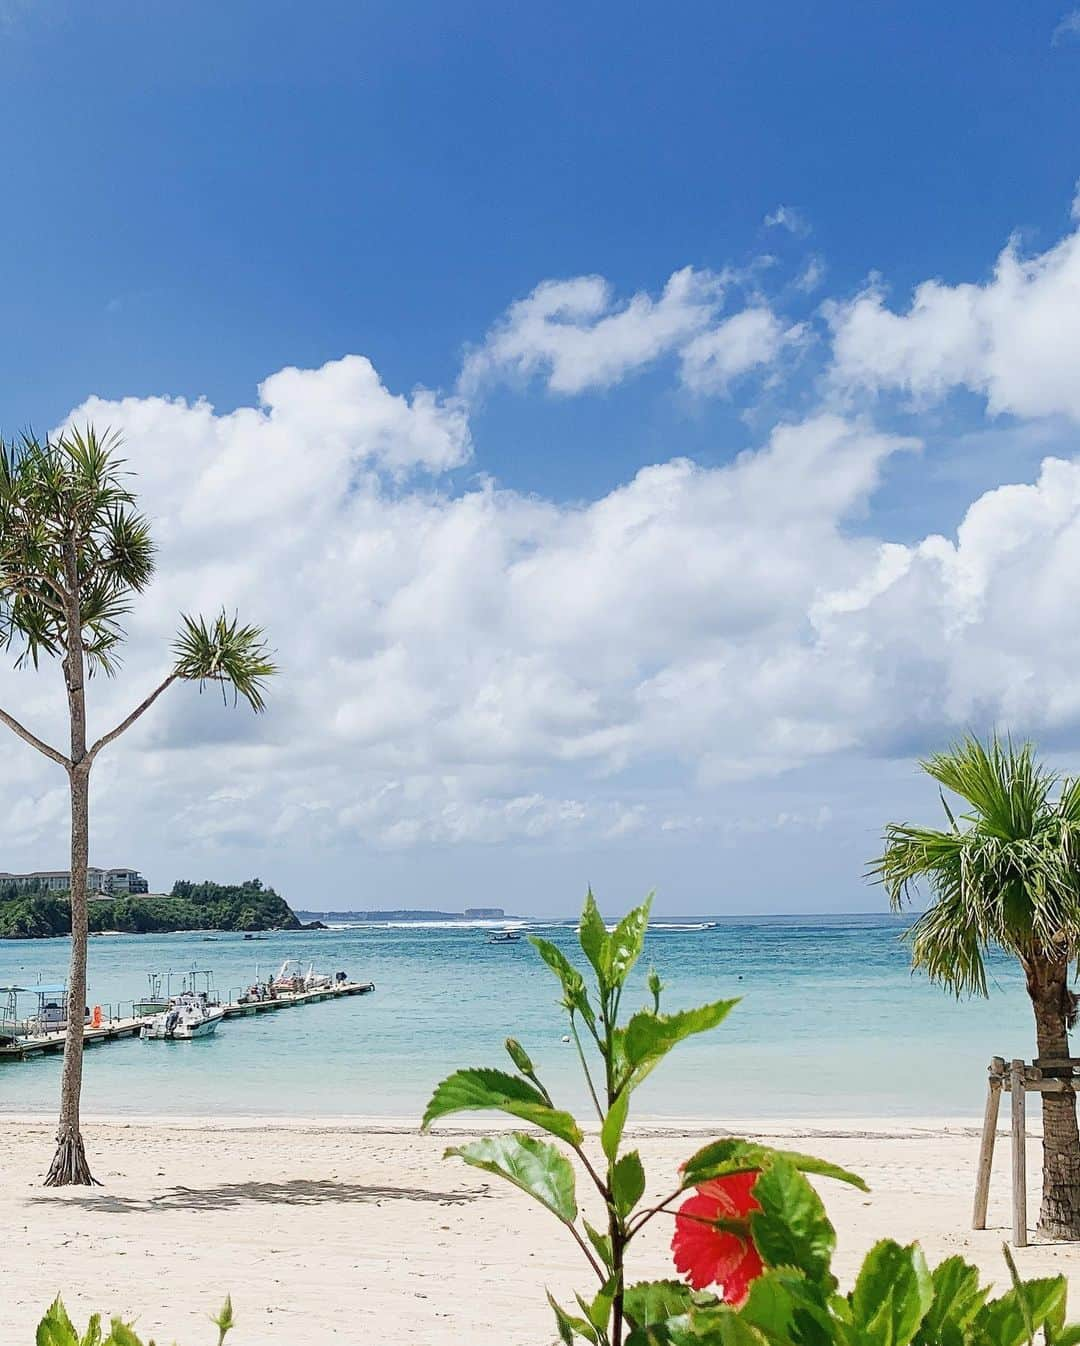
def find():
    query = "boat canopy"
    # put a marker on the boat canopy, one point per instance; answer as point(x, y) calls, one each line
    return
point(33, 990)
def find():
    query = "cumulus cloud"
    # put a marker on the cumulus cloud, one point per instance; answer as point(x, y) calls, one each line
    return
point(576, 336)
point(746, 341)
point(469, 665)
point(1014, 339)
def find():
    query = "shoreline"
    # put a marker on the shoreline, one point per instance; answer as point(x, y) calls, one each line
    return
point(334, 1229)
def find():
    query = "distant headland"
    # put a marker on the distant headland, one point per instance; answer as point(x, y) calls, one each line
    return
point(247, 906)
point(409, 914)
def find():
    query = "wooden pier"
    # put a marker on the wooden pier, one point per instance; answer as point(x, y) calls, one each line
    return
point(115, 1030)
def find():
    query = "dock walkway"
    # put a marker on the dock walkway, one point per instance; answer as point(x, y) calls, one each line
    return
point(115, 1030)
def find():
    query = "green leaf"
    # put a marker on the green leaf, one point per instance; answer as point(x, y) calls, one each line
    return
point(575, 997)
point(601, 1242)
point(612, 1129)
point(791, 1229)
point(723, 1157)
point(92, 1335)
point(786, 1306)
point(627, 1182)
point(519, 1056)
point(650, 1302)
point(892, 1294)
point(957, 1299)
point(649, 1037)
point(569, 1325)
point(625, 943)
point(599, 1311)
point(535, 1166)
point(593, 938)
point(1005, 1321)
point(714, 1327)
point(56, 1328)
point(496, 1090)
point(121, 1334)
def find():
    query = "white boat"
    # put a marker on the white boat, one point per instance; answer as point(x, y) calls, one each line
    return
point(292, 978)
point(187, 1017)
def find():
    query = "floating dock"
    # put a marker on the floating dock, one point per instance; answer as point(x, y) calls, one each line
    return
point(115, 1030)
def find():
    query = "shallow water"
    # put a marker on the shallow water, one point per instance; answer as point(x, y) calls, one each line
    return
point(832, 1023)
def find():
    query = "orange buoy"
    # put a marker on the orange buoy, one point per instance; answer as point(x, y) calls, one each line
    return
point(95, 1021)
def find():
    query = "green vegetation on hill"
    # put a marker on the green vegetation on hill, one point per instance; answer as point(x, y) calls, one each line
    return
point(190, 906)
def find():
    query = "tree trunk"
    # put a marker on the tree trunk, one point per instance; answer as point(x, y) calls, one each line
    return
point(69, 1164)
point(1059, 1215)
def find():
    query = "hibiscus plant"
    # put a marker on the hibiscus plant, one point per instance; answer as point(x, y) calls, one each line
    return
point(752, 1242)
point(57, 1329)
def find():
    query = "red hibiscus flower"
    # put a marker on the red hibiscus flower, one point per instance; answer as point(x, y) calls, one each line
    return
point(706, 1255)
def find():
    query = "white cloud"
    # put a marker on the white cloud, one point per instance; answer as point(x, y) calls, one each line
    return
point(1014, 339)
point(746, 341)
point(787, 217)
point(1068, 27)
point(575, 335)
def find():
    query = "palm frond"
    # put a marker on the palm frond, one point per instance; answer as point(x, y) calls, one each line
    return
point(227, 653)
point(1007, 874)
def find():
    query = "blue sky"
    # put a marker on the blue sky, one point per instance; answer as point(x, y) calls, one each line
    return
point(202, 195)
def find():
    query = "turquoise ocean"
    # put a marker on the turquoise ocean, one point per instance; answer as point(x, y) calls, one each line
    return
point(831, 1022)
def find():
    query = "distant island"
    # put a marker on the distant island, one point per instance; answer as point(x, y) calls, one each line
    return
point(410, 914)
point(247, 906)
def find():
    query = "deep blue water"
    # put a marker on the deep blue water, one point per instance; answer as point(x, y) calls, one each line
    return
point(831, 1023)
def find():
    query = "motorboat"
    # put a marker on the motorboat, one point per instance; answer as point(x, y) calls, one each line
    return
point(188, 1017)
point(292, 979)
point(504, 937)
point(49, 1015)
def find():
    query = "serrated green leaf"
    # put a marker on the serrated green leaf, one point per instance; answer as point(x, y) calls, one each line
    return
point(791, 1229)
point(714, 1327)
point(614, 1122)
point(598, 1311)
point(56, 1328)
point(649, 1037)
point(625, 943)
point(892, 1294)
point(121, 1334)
point(723, 1157)
point(957, 1299)
point(601, 1242)
point(575, 996)
point(92, 1335)
point(1004, 1321)
point(570, 1324)
point(650, 1302)
point(534, 1165)
point(627, 1182)
point(497, 1091)
point(593, 938)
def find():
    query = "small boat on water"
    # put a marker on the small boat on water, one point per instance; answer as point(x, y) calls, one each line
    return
point(504, 937)
point(188, 1017)
point(292, 978)
point(194, 1012)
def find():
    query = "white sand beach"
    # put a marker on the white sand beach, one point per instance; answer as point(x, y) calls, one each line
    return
point(347, 1231)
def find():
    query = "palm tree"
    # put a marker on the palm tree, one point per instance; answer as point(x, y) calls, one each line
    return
point(73, 552)
point(1004, 874)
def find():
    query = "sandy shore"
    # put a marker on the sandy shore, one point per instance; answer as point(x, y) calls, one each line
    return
point(337, 1231)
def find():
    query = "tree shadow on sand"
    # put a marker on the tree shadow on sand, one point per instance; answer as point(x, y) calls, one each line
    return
point(298, 1192)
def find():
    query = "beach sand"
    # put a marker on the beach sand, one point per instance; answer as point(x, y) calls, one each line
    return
point(347, 1231)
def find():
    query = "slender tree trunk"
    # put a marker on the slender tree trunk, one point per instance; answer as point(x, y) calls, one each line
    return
point(69, 1164)
point(1059, 1215)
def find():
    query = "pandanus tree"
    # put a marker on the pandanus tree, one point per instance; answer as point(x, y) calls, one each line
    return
point(74, 550)
point(1003, 873)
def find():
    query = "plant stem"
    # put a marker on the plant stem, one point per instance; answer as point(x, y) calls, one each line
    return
point(585, 1068)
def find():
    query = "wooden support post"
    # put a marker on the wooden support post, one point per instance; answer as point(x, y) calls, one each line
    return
point(1019, 1154)
point(986, 1150)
